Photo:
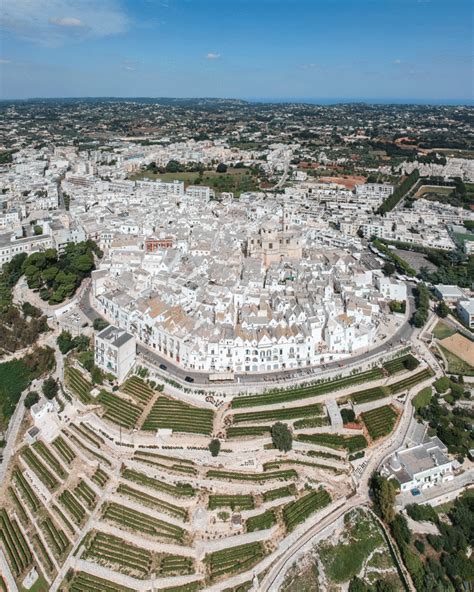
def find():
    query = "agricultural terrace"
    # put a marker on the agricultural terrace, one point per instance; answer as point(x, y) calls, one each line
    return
point(138, 389)
point(349, 443)
point(78, 384)
point(119, 410)
point(15, 544)
point(243, 502)
point(298, 511)
point(379, 392)
point(233, 560)
point(261, 521)
point(131, 519)
point(178, 490)
point(279, 414)
point(304, 392)
point(401, 364)
point(380, 421)
point(256, 477)
point(178, 416)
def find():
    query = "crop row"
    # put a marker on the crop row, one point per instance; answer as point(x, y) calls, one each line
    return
point(369, 395)
point(407, 383)
point(38, 543)
point(14, 543)
point(349, 443)
point(138, 389)
point(379, 422)
point(240, 431)
point(233, 476)
point(100, 477)
point(299, 510)
point(73, 507)
point(55, 537)
point(49, 458)
point(64, 450)
point(84, 582)
point(26, 491)
point(149, 458)
point(123, 556)
point(273, 494)
point(61, 514)
point(149, 500)
point(234, 559)
point(178, 490)
point(78, 384)
point(39, 469)
point(314, 390)
point(311, 422)
point(243, 502)
point(260, 522)
point(178, 416)
point(170, 565)
point(119, 410)
point(141, 522)
point(85, 493)
point(399, 364)
point(277, 414)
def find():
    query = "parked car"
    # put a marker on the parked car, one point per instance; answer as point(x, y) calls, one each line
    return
point(188, 379)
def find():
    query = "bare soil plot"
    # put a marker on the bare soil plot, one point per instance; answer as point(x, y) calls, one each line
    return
point(460, 346)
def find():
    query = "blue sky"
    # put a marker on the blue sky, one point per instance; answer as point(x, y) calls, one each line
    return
point(320, 49)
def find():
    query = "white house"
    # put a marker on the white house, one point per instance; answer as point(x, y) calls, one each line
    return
point(421, 466)
point(115, 351)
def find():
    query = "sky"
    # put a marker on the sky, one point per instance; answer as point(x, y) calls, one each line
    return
point(380, 50)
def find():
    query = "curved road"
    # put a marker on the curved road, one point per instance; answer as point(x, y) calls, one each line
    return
point(403, 334)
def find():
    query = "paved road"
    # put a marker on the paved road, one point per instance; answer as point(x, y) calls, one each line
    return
point(403, 334)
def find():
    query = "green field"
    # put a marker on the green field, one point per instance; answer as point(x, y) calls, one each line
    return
point(236, 180)
point(349, 443)
point(422, 398)
point(14, 379)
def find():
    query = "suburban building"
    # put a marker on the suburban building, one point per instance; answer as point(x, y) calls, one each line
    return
point(421, 466)
point(450, 294)
point(115, 351)
point(465, 310)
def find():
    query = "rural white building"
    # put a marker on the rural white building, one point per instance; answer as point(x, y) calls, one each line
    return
point(420, 467)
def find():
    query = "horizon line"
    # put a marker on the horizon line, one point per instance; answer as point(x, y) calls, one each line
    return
point(288, 100)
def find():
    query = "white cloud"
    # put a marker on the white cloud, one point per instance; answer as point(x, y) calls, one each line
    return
point(397, 62)
point(213, 56)
point(129, 65)
point(53, 22)
point(66, 22)
point(4, 61)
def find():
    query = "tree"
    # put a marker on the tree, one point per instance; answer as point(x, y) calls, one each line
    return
point(442, 309)
point(214, 446)
point(37, 229)
point(348, 415)
point(50, 388)
point(64, 341)
point(221, 168)
point(282, 437)
point(410, 363)
point(100, 324)
point(31, 399)
point(97, 376)
point(358, 585)
point(389, 268)
point(383, 493)
point(173, 166)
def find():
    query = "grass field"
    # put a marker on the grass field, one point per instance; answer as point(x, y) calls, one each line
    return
point(422, 398)
point(236, 180)
point(14, 378)
point(441, 330)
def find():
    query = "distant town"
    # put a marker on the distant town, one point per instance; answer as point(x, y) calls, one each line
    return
point(236, 346)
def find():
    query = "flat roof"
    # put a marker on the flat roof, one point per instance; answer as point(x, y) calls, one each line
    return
point(115, 336)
